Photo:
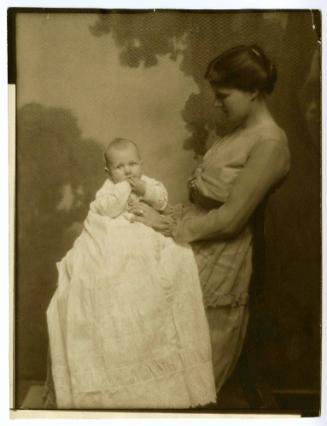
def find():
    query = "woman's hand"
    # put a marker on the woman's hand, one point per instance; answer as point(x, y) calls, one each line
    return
point(150, 217)
point(191, 183)
point(193, 179)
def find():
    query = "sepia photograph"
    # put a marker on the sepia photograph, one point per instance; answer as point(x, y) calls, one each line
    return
point(167, 210)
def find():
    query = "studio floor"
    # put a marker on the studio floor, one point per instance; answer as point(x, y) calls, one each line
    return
point(233, 398)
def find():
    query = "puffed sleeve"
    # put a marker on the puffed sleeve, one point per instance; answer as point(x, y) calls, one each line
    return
point(156, 194)
point(268, 163)
point(111, 200)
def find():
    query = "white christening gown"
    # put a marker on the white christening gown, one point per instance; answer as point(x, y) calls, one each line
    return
point(127, 325)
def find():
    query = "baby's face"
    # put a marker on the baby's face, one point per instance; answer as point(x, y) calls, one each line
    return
point(124, 163)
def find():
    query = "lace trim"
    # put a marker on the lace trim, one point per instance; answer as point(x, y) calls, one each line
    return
point(154, 395)
point(122, 387)
point(113, 379)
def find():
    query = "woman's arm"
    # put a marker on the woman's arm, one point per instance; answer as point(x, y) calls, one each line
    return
point(268, 163)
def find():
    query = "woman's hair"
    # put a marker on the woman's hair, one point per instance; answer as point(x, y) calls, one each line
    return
point(242, 67)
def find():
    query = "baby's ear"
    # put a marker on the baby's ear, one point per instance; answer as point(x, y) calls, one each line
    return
point(107, 170)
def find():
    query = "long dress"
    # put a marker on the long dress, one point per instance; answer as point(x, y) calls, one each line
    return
point(225, 265)
point(127, 324)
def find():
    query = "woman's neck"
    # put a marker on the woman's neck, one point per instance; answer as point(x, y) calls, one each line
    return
point(259, 114)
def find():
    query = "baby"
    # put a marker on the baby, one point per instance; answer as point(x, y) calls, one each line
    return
point(127, 325)
point(126, 182)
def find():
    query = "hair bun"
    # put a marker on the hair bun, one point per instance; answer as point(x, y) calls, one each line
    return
point(271, 76)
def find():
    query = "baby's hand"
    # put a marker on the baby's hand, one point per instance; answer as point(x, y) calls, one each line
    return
point(138, 186)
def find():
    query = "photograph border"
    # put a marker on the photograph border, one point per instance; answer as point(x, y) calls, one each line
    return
point(12, 203)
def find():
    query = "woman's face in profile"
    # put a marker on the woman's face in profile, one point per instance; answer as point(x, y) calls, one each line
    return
point(234, 103)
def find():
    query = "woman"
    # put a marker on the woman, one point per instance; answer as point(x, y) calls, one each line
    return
point(228, 190)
